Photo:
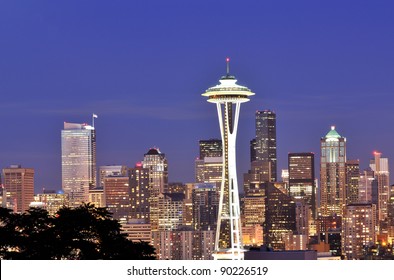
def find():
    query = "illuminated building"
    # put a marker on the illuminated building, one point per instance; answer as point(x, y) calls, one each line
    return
point(184, 244)
point(329, 232)
point(176, 187)
point(253, 217)
point(18, 185)
point(170, 214)
point(302, 178)
point(156, 163)
point(303, 217)
point(209, 170)
point(365, 186)
point(332, 173)
point(263, 147)
point(259, 173)
point(137, 230)
point(139, 192)
point(228, 96)
point(358, 229)
point(295, 241)
point(280, 216)
point(78, 161)
point(52, 200)
point(111, 170)
point(210, 148)
point(380, 166)
point(352, 181)
point(96, 197)
point(117, 197)
point(285, 176)
point(205, 201)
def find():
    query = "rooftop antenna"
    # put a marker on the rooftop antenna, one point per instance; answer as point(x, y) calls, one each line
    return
point(228, 65)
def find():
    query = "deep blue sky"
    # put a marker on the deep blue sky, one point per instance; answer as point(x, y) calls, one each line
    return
point(142, 65)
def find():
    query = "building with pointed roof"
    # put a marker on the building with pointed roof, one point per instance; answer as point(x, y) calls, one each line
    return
point(332, 173)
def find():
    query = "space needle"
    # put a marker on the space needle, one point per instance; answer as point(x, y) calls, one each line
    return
point(228, 96)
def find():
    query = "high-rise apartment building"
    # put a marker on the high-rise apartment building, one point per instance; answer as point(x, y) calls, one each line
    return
point(18, 185)
point(170, 214)
point(332, 173)
point(352, 181)
point(302, 178)
point(78, 161)
point(263, 147)
point(156, 162)
point(139, 192)
point(117, 197)
point(380, 166)
point(358, 229)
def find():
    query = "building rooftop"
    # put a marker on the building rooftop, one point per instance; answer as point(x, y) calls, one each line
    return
point(333, 133)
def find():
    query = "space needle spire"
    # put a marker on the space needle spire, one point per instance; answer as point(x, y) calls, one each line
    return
point(228, 96)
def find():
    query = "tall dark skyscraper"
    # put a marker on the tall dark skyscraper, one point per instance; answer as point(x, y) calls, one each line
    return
point(263, 147)
point(302, 178)
point(140, 192)
point(280, 216)
point(352, 181)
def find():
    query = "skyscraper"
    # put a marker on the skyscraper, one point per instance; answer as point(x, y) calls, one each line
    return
point(263, 147)
point(332, 173)
point(209, 165)
point(18, 189)
point(117, 197)
point(352, 181)
point(140, 192)
point(302, 178)
point(228, 243)
point(358, 229)
point(280, 216)
point(156, 163)
point(380, 166)
point(205, 198)
point(78, 161)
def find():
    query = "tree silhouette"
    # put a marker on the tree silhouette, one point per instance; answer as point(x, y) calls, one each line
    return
point(85, 232)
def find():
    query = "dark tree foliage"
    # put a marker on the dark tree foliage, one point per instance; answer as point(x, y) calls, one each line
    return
point(85, 232)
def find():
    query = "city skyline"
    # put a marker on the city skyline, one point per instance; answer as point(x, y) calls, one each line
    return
point(314, 65)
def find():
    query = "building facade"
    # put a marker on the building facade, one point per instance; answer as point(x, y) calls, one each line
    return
point(332, 173)
point(78, 143)
point(263, 147)
point(18, 190)
point(302, 178)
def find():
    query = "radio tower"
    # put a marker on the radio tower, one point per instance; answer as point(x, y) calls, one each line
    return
point(228, 241)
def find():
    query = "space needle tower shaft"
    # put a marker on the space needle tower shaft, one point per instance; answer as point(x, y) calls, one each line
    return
point(228, 96)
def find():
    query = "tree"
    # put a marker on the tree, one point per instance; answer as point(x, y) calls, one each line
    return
point(85, 232)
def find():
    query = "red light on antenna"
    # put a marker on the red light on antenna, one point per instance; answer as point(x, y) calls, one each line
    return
point(227, 59)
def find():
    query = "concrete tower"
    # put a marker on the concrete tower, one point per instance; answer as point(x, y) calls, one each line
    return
point(228, 96)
